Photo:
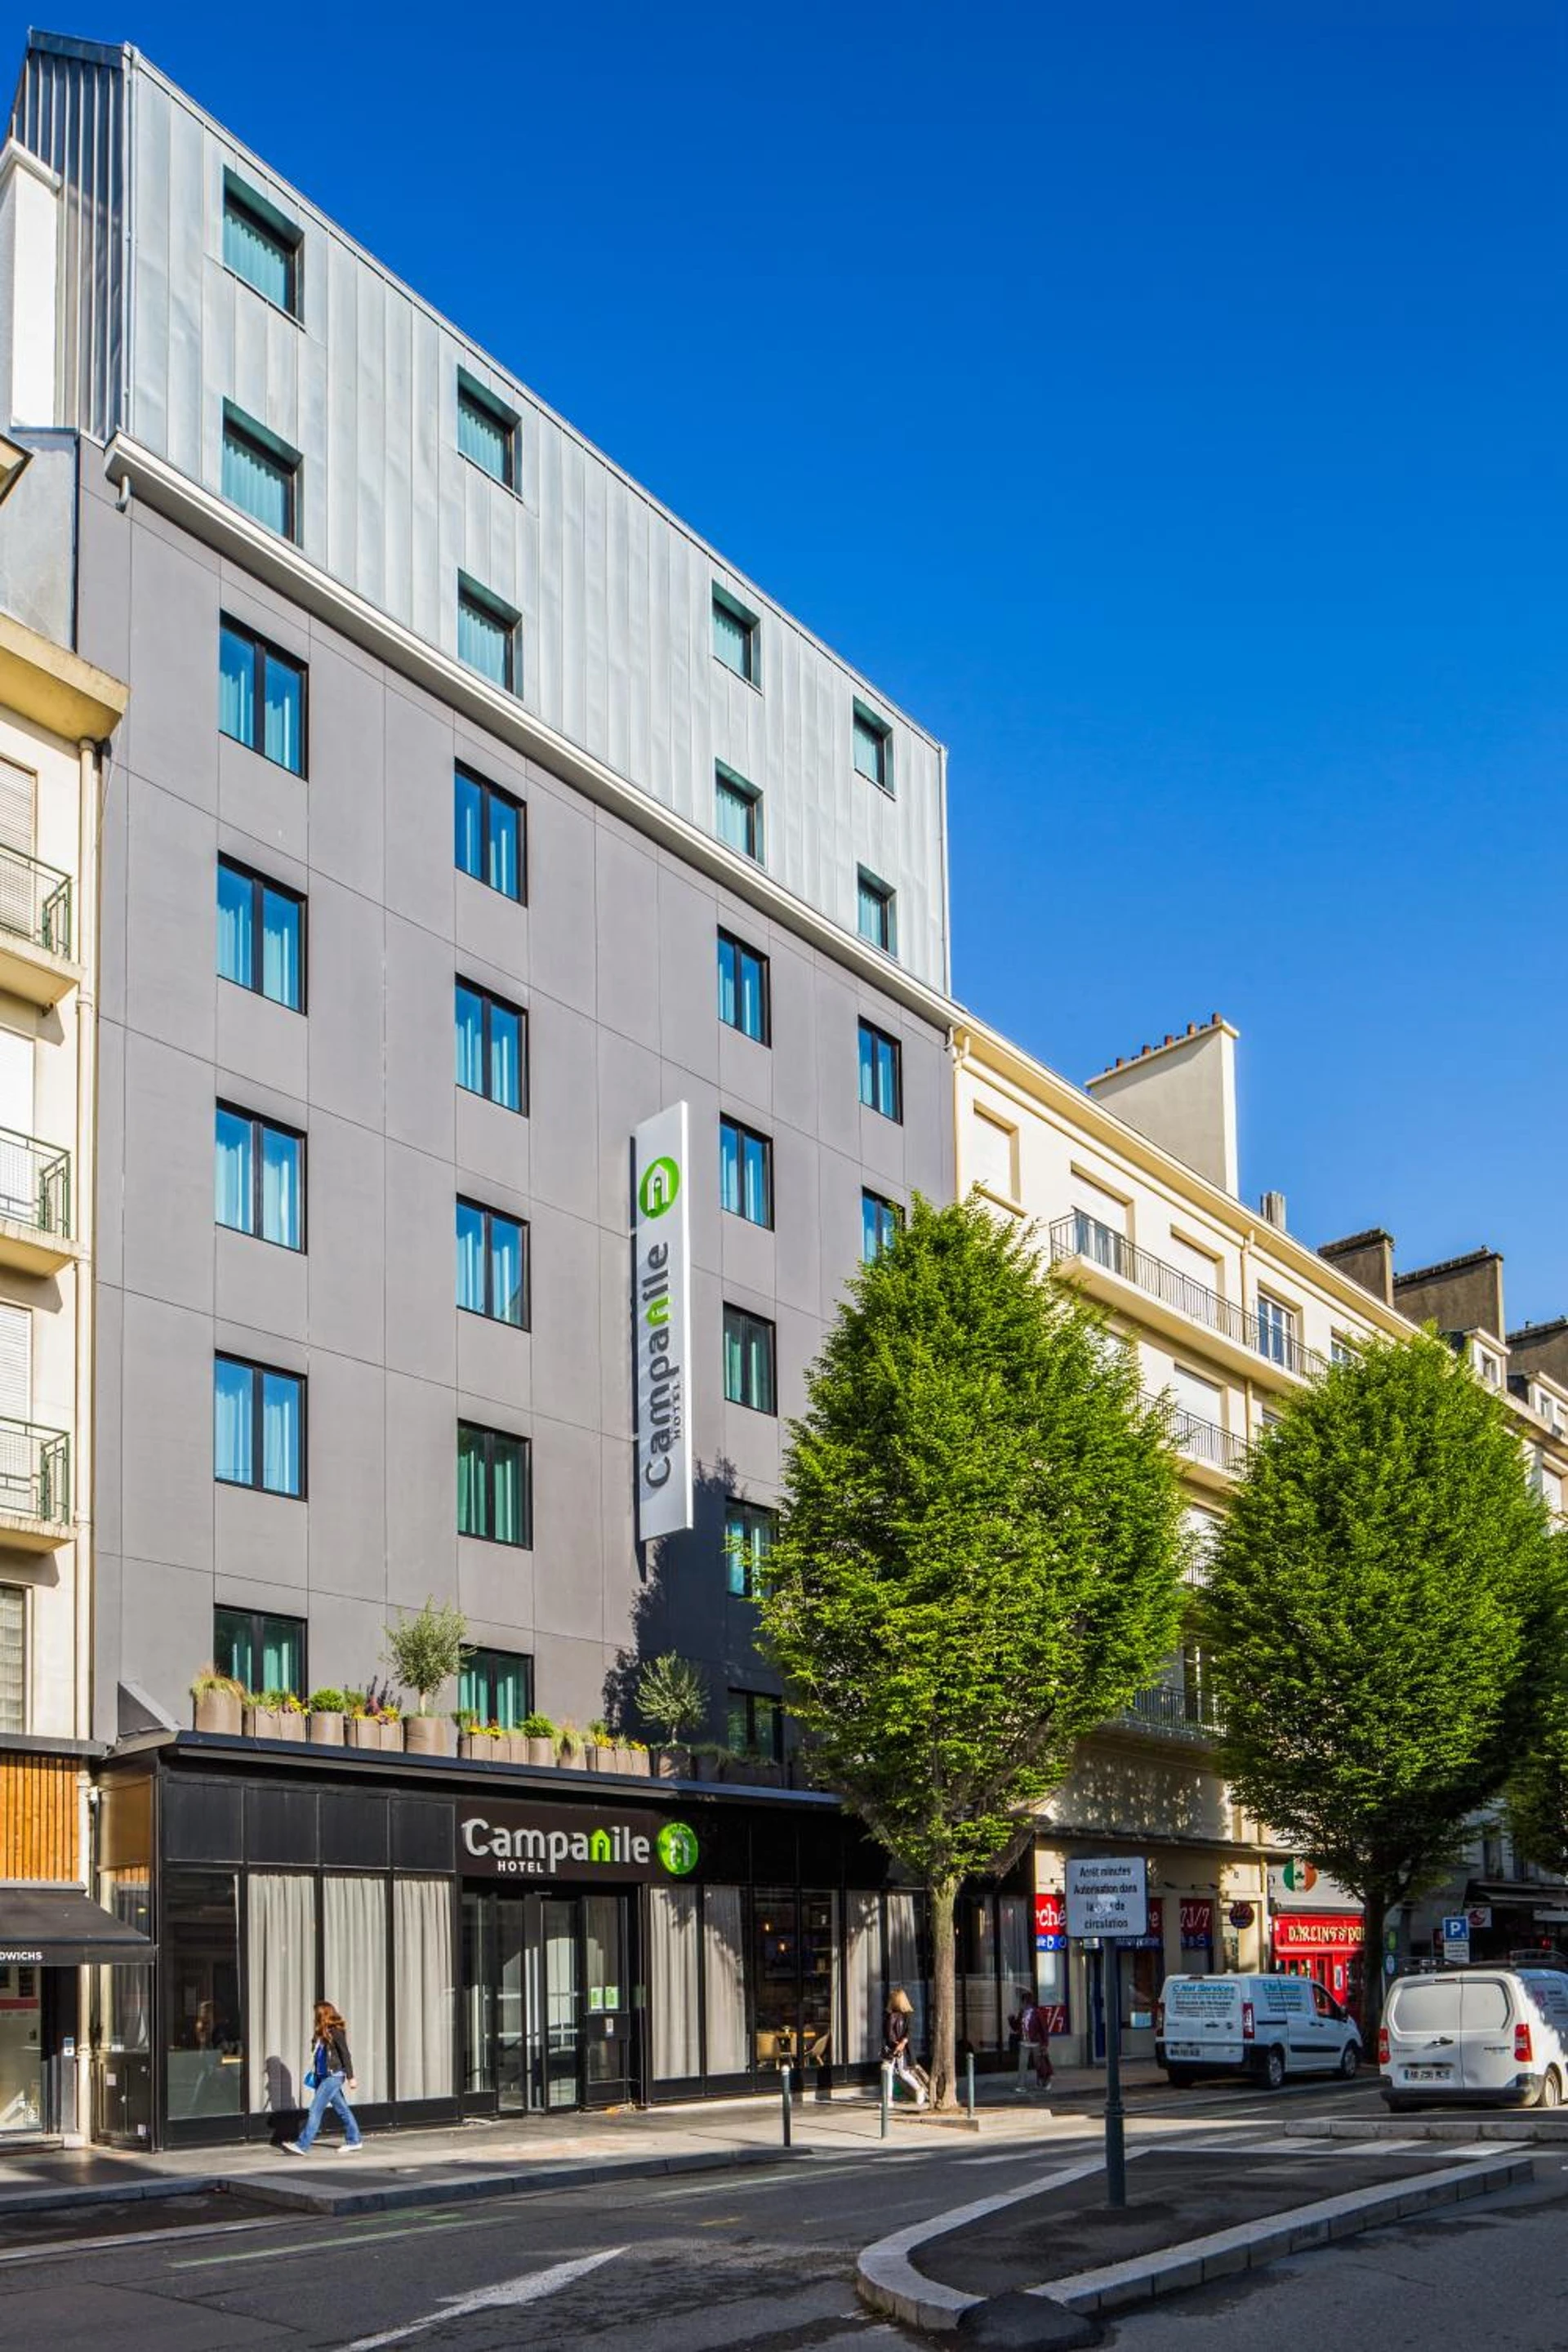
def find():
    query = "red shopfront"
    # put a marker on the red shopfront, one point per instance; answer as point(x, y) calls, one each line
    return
point(1325, 1946)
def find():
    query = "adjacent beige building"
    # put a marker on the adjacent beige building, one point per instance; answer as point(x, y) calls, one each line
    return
point(1132, 1182)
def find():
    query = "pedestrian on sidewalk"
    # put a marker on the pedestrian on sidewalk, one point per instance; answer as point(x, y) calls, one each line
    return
point(896, 2050)
point(331, 2077)
point(1018, 2026)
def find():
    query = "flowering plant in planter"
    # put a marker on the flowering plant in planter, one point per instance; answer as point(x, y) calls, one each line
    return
point(219, 1700)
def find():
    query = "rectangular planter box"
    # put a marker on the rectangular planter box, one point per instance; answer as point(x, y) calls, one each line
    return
point(362, 1733)
point(426, 1735)
point(326, 1730)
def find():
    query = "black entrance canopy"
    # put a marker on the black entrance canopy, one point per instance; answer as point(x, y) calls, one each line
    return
point(60, 1928)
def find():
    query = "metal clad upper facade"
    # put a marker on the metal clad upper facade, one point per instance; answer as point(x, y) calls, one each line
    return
point(615, 596)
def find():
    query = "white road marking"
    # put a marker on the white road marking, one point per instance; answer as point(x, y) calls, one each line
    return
point(508, 2293)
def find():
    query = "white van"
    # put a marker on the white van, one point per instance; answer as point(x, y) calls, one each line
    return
point(1476, 2037)
point(1264, 2026)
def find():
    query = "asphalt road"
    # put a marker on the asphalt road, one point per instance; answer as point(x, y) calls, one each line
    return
point(762, 2256)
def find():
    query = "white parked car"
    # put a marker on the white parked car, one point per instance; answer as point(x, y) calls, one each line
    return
point(1268, 2027)
point(1476, 2037)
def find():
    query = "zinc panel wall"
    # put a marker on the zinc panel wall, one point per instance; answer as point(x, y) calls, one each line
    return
point(615, 596)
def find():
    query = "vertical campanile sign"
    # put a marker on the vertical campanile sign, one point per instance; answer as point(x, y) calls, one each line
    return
point(661, 1321)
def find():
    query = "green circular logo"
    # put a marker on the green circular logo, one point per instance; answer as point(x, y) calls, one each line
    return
point(660, 1183)
point(677, 1849)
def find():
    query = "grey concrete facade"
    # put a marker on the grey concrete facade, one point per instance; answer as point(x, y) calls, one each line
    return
point(614, 959)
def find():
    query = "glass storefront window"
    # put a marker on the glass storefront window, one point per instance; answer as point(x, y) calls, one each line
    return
point(427, 1992)
point(353, 1963)
point(673, 1983)
point(21, 2052)
point(203, 2034)
point(863, 1975)
point(280, 1953)
point(724, 1981)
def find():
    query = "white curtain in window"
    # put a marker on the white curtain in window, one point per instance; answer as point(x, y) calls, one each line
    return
point(904, 1960)
point(677, 2050)
point(353, 1936)
point(280, 1964)
point(863, 1974)
point(422, 1948)
point(724, 1985)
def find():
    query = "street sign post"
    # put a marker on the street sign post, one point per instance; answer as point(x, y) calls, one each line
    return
point(1457, 1939)
point(1107, 1898)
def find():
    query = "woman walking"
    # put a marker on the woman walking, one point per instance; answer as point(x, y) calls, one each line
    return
point(896, 2044)
point(331, 2076)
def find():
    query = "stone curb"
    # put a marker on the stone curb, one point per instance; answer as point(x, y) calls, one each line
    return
point(887, 2278)
point(329, 2200)
point(1551, 2127)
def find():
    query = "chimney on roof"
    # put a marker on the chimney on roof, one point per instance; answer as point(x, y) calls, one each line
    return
point(1367, 1258)
point(1181, 1096)
point(1271, 1207)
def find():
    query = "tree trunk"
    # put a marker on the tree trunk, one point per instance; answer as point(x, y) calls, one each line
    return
point(1374, 1910)
point(943, 2008)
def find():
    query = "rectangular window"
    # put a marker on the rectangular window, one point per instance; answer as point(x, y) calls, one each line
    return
point(260, 935)
point(13, 1658)
point(1340, 1350)
point(993, 1155)
point(492, 839)
point(749, 1361)
point(881, 1072)
point(259, 1179)
point(487, 634)
point(735, 636)
point(1277, 1325)
point(263, 1651)
point(495, 1486)
point(749, 1531)
point(875, 917)
point(259, 1427)
point(260, 474)
point(879, 1222)
point(260, 697)
point(492, 1048)
point(738, 813)
point(486, 431)
point(757, 1725)
point(497, 1686)
point(492, 1264)
point(873, 749)
point(261, 246)
point(745, 1174)
point(743, 993)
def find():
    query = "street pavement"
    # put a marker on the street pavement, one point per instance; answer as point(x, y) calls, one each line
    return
point(761, 2256)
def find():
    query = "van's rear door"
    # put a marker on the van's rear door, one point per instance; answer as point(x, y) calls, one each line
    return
point(1422, 2017)
point(1203, 2021)
point(1486, 2020)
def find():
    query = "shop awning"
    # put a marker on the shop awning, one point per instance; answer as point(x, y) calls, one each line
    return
point(61, 1927)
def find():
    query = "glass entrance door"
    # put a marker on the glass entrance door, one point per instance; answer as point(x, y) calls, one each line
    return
point(607, 2024)
point(547, 2001)
point(21, 2052)
point(558, 2041)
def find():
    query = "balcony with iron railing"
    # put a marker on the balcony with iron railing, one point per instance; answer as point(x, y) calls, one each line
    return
point(1251, 1338)
point(1203, 1443)
point(36, 1206)
point(1179, 1712)
point(38, 935)
point(35, 1486)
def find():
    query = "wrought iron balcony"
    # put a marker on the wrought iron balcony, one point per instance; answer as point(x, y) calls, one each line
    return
point(37, 934)
point(1201, 1440)
point(35, 1484)
point(1086, 1238)
point(34, 1184)
point(1185, 1714)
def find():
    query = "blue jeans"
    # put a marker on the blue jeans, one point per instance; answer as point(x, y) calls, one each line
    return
point(330, 2093)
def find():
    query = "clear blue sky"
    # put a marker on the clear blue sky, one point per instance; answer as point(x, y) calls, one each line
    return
point(1165, 404)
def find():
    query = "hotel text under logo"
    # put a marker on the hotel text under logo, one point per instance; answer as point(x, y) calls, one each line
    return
point(661, 1322)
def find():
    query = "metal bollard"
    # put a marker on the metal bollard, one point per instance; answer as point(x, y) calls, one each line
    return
point(886, 2101)
point(783, 2080)
point(969, 2071)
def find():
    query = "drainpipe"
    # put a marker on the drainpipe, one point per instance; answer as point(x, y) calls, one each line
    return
point(83, 1204)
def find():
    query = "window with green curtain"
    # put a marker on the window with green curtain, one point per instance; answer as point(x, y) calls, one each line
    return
point(497, 1686)
point(258, 477)
point(738, 813)
point(264, 1651)
point(261, 697)
point(260, 935)
point(873, 750)
point(487, 636)
point(876, 917)
point(745, 1174)
point(879, 1226)
point(487, 432)
point(492, 1263)
point(749, 1368)
point(749, 1530)
point(495, 1500)
point(744, 996)
point(880, 1071)
point(259, 251)
point(259, 1178)
point(735, 637)
point(491, 1047)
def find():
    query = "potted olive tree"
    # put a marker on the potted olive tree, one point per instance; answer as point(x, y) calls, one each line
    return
point(425, 1650)
point(219, 1702)
point(672, 1695)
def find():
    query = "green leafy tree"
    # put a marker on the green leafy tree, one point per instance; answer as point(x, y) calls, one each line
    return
point(426, 1650)
point(1538, 1790)
point(979, 1553)
point(672, 1695)
point(1369, 1615)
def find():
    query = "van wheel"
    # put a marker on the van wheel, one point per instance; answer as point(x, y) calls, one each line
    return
point(1551, 2090)
point(1272, 2072)
point(1350, 2059)
point(1179, 2078)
